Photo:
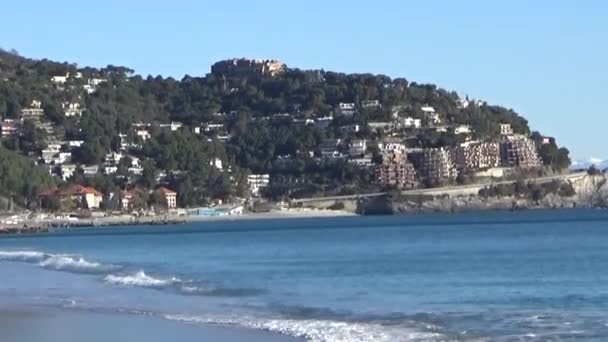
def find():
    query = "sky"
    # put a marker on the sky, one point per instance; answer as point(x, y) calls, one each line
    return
point(546, 59)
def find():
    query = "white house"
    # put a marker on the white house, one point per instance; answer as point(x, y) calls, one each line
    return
point(357, 147)
point(89, 89)
point(257, 182)
point(506, 129)
point(67, 171)
point(431, 114)
point(410, 122)
point(391, 146)
point(60, 79)
point(173, 126)
point(143, 134)
point(462, 129)
point(346, 108)
point(71, 109)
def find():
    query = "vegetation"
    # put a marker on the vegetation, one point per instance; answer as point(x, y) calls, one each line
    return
point(257, 140)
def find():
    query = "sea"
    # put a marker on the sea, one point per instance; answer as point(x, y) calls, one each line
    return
point(504, 276)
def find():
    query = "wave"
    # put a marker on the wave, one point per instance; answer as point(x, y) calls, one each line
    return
point(324, 330)
point(75, 264)
point(24, 256)
point(140, 279)
point(58, 262)
point(202, 290)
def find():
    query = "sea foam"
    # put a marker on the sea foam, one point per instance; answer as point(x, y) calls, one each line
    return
point(58, 262)
point(322, 330)
point(140, 279)
point(25, 256)
point(72, 263)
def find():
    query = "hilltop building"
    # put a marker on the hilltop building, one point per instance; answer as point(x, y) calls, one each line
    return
point(244, 66)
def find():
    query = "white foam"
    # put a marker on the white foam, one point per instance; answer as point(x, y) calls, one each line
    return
point(25, 256)
point(139, 279)
point(62, 262)
point(323, 330)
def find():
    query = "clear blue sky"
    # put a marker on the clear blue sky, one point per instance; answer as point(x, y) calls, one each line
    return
point(547, 59)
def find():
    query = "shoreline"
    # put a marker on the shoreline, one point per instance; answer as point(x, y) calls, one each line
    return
point(44, 226)
point(24, 323)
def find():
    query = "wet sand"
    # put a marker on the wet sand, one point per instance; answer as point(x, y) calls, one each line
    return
point(54, 325)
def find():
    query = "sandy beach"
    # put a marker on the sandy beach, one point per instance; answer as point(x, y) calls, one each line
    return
point(20, 324)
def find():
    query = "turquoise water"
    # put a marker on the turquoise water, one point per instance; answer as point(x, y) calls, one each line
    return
point(526, 276)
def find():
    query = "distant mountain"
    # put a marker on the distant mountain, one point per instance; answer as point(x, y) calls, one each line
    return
point(601, 164)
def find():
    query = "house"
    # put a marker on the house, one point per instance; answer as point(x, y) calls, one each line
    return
point(143, 134)
point(60, 79)
point(410, 122)
point(506, 129)
point(462, 129)
point(71, 109)
point(84, 197)
point(8, 129)
point(257, 182)
point(357, 147)
point(113, 158)
point(217, 163)
point(370, 104)
point(547, 141)
point(89, 89)
point(90, 170)
point(126, 199)
point(384, 126)
point(169, 196)
point(391, 145)
point(346, 108)
point(173, 126)
point(33, 113)
point(67, 171)
point(72, 144)
point(431, 115)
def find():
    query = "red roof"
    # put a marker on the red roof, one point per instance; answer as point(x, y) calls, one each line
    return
point(166, 191)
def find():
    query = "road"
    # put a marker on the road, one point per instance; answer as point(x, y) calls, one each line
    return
point(459, 190)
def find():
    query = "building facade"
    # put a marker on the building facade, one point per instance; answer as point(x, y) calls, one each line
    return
point(396, 170)
point(433, 164)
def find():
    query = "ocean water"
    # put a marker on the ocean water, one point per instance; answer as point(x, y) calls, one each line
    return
point(521, 276)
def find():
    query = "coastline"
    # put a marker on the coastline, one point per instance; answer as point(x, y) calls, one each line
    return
point(43, 226)
point(27, 324)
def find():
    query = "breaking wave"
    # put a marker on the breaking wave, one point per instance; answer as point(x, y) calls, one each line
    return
point(325, 330)
point(140, 279)
point(25, 256)
point(58, 262)
point(75, 264)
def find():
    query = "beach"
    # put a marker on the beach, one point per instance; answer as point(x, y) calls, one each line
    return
point(55, 325)
point(40, 224)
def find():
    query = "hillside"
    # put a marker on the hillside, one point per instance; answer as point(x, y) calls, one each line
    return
point(312, 131)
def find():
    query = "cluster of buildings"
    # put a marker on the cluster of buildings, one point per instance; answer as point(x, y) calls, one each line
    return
point(433, 165)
